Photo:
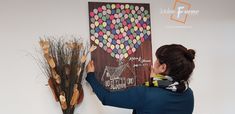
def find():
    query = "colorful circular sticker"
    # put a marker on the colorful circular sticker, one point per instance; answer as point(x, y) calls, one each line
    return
point(119, 29)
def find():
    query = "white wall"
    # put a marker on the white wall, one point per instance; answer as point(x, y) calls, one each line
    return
point(22, 86)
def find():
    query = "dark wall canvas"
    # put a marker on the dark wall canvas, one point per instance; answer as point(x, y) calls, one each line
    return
point(122, 34)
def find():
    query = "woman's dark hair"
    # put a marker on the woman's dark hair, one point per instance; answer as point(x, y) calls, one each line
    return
point(179, 61)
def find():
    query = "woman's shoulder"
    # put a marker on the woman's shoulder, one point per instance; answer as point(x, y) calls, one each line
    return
point(158, 92)
point(161, 92)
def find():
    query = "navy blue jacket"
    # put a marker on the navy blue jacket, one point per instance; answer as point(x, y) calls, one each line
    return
point(145, 100)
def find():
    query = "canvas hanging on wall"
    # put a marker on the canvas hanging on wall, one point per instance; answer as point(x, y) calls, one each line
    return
point(122, 34)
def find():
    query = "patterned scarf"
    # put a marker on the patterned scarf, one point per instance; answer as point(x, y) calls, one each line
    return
point(167, 83)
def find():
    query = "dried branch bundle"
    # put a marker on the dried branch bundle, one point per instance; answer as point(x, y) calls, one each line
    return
point(64, 64)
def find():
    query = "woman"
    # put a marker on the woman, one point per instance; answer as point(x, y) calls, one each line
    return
point(168, 91)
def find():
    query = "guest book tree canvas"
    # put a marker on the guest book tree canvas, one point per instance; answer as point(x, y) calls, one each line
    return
point(122, 34)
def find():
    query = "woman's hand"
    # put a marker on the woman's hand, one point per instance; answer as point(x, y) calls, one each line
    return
point(90, 67)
